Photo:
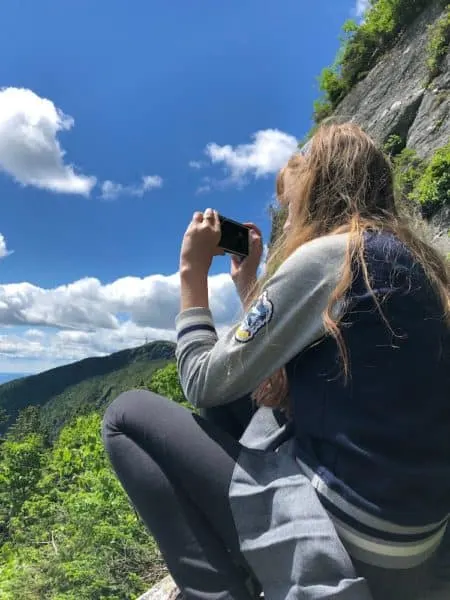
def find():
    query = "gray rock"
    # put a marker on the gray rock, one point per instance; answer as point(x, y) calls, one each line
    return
point(431, 127)
point(394, 98)
point(166, 589)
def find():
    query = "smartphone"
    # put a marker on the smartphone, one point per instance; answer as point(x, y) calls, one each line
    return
point(234, 237)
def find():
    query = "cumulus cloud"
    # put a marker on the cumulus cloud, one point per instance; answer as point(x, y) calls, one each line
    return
point(89, 305)
point(111, 190)
point(3, 249)
point(29, 148)
point(361, 7)
point(88, 318)
point(268, 151)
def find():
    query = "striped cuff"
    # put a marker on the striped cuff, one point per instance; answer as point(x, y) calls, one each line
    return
point(195, 323)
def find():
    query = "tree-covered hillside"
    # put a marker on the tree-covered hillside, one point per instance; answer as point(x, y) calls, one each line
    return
point(67, 529)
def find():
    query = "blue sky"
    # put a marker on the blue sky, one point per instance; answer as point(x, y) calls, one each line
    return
point(118, 120)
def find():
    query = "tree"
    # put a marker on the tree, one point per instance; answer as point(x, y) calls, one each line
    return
point(20, 469)
point(3, 416)
point(28, 421)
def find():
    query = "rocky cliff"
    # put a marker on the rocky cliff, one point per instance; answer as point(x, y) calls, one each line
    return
point(398, 98)
point(405, 98)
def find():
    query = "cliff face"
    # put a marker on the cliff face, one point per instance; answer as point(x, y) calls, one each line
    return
point(397, 98)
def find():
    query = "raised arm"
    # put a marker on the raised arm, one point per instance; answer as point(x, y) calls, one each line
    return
point(284, 320)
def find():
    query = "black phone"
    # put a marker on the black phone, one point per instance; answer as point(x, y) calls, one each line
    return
point(234, 237)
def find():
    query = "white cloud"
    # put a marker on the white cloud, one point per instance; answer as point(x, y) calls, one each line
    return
point(149, 182)
point(268, 151)
point(111, 190)
point(89, 305)
point(3, 249)
point(94, 319)
point(361, 7)
point(34, 334)
point(196, 164)
point(29, 148)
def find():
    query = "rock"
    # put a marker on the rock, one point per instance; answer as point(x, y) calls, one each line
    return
point(431, 127)
point(166, 589)
point(396, 98)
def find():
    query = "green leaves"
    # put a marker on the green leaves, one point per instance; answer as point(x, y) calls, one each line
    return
point(438, 44)
point(67, 528)
point(424, 182)
point(72, 533)
point(166, 382)
point(433, 188)
point(20, 469)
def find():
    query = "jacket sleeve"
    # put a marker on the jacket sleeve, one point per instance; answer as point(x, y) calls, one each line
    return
point(284, 320)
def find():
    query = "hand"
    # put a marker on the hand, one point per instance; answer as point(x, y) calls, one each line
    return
point(244, 271)
point(200, 242)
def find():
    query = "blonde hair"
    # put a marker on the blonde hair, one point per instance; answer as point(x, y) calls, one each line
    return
point(345, 184)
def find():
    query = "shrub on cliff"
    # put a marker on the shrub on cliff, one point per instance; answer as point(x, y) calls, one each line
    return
point(433, 188)
point(438, 44)
point(364, 44)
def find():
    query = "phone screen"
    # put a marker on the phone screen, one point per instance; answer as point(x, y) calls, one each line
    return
point(234, 237)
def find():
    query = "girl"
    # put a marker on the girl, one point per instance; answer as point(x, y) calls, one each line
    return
point(346, 343)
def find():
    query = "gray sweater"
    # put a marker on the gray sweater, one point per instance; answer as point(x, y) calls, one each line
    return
point(285, 319)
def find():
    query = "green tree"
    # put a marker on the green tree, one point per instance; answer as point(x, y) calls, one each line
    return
point(20, 469)
point(3, 416)
point(28, 421)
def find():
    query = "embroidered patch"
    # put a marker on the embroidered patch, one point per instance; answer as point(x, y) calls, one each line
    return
point(259, 315)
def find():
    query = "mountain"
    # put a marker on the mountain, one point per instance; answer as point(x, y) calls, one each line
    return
point(82, 386)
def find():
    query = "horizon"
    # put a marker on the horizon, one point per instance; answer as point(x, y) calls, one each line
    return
point(109, 144)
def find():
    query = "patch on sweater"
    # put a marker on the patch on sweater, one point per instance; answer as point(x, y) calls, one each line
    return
point(259, 315)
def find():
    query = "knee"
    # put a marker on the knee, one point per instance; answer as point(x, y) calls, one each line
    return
point(120, 411)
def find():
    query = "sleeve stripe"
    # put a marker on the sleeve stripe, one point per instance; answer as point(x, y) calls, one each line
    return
point(197, 327)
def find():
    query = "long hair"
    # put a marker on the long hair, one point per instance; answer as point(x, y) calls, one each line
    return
point(344, 184)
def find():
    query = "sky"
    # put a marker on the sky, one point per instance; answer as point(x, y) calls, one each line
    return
point(118, 120)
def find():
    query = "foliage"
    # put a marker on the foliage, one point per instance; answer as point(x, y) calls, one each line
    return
point(68, 530)
point(438, 44)
point(363, 45)
point(20, 469)
point(3, 416)
point(425, 182)
point(394, 145)
point(28, 421)
point(166, 382)
point(408, 168)
point(322, 109)
point(73, 534)
point(433, 188)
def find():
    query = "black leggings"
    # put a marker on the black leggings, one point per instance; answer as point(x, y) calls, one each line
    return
point(181, 497)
